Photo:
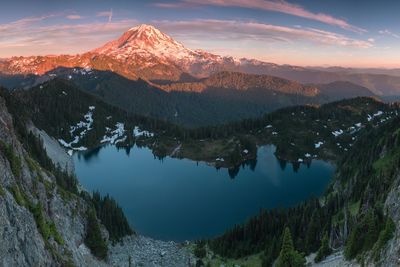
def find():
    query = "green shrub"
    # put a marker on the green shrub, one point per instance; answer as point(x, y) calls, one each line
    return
point(46, 228)
point(55, 234)
point(200, 250)
point(31, 164)
point(40, 221)
point(18, 196)
point(324, 250)
point(384, 236)
point(13, 159)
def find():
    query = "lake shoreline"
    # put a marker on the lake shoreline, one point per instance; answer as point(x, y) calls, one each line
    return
point(181, 192)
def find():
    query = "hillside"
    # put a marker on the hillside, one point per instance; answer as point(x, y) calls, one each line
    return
point(380, 83)
point(209, 102)
point(243, 81)
point(46, 221)
point(359, 212)
point(192, 109)
point(340, 90)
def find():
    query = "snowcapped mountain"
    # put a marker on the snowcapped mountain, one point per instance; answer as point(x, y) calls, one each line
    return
point(147, 53)
point(141, 52)
point(147, 48)
point(145, 41)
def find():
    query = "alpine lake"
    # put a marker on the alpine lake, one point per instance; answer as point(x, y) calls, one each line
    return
point(180, 199)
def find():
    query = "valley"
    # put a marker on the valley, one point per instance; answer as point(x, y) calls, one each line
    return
point(303, 136)
point(135, 149)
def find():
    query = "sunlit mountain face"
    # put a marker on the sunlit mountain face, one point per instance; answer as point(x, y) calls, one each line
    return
point(217, 133)
point(329, 33)
point(185, 40)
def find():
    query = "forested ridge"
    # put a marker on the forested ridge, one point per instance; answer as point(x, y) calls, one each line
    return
point(214, 106)
point(351, 213)
point(57, 105)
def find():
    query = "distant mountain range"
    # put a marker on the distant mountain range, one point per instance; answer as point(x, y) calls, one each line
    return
point(221, 98)
point(147, 72)
point(244, 82)
point(147, 53)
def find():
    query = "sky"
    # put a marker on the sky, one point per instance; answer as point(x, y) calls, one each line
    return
point(349, 33)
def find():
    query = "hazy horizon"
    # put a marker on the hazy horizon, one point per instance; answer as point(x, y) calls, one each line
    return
point(332, 33)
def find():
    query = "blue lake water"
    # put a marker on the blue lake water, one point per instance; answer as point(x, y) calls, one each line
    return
point(180, 200)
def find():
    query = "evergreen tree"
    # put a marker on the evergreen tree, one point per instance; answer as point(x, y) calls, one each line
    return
point(111, 216)
point(312, 233)
point(94, 239)
point(288, 256)
point(371, 230)
point(324, 250)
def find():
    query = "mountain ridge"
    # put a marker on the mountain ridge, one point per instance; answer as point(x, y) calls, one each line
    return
point(146, 52)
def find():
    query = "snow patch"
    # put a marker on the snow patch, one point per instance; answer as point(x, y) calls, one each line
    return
point(138, 133)
point(319, 144)
point(85, 126)
point(338, 132)
point(115, 135)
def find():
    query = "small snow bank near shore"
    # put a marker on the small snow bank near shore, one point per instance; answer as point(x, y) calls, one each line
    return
point(138, 133)
point(84, 127)
point(117, 135)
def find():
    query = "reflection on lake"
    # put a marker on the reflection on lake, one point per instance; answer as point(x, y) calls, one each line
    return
point(175, 199)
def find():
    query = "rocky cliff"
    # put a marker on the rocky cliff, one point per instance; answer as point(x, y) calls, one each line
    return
point(40, 224)
point(43, 224)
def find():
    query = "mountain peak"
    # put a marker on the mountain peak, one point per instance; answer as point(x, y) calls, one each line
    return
point(152, 36)
point(144, 41)
point(143, 28)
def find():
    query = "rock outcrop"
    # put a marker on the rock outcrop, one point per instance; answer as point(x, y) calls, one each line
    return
point(51, 235)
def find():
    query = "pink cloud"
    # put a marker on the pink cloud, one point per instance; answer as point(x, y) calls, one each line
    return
point(29, 36)
point(277, 6)
point(74, 17)
point(254, 31)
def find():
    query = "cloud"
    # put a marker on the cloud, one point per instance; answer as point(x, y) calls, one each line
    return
point(37, 36)
point(389, 33)
point(108, 14)
point(31, 36)
point(254, 31)
point(277, 6)
point(74, 17)
point(21, 23)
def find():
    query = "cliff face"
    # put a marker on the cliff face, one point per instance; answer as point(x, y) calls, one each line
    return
point(40, 224)
point(391, 254)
